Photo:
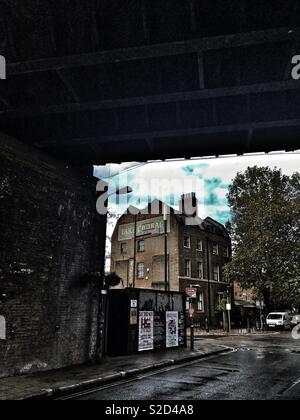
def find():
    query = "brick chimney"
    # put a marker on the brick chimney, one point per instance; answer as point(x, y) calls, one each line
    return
point(188, 205)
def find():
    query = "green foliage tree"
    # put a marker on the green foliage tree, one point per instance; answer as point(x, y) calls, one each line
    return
point(265, 206)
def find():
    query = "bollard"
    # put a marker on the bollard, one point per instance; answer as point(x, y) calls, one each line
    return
point(207, 325)
point(248, 325)
point(192, 336)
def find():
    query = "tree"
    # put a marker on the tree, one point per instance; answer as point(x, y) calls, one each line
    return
point(265, 206)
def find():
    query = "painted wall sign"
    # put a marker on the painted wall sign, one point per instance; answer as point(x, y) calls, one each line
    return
point(172, 324)
point(153, 226)
point(146, 330)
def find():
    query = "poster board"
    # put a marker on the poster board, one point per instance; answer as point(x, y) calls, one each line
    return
point(172, 329)
point(146, 330)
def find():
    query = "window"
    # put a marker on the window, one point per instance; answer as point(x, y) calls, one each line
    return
point(187, 304)
point(199, 245)
point(140, 270)
point(215, 249)
point(141, 246)
point(200, 269)
point(201, 302)
point(187, 242)
point(216, 273)
point(226, 252)
point(187, 268)
point(123, 248)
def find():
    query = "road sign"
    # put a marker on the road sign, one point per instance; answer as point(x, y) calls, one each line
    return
point(192, 312)
point(228, 307)
point(191, 292)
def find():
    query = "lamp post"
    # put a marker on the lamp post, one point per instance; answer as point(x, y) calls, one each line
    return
point(166, 247)
point(208, 279)
point(134, 250)
point(101, 345)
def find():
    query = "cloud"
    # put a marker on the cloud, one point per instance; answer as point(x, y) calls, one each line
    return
point(197, 169)
point(211, 177)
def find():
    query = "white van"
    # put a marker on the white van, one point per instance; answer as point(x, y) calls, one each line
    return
point(279, 320)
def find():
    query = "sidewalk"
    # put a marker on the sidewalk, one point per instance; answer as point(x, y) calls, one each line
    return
point(64, 382)
point(234, 332)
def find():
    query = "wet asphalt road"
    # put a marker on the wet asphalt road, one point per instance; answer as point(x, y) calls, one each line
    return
point(263, 368)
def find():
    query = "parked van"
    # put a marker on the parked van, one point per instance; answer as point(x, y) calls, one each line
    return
point(279, 320)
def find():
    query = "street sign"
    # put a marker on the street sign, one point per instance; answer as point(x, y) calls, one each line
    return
point(228, 307)
point(133, 303)
point(191, 292)
point(192, 312)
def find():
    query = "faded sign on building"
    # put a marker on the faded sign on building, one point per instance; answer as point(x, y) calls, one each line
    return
point(153, 226)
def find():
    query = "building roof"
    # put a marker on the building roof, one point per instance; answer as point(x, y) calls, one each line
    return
point(207, 224)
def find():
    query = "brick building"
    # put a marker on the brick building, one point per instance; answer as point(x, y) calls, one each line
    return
point(197, 251)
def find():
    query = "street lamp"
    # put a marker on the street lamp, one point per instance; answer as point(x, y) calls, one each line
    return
point(166, 246)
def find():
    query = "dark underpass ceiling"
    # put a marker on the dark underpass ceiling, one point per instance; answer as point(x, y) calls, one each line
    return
point(103, 81)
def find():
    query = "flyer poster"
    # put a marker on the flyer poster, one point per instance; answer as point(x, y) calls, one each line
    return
point(146, 330)
point(172, 324)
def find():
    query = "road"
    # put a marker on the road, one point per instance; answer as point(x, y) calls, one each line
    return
point(260, 368)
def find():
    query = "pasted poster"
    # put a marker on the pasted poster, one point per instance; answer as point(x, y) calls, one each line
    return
point(172, 337)
point(146, 330)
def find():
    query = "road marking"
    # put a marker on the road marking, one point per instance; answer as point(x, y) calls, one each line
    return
point(294, 384)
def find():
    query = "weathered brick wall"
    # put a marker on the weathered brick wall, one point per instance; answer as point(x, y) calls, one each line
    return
point(50, 237)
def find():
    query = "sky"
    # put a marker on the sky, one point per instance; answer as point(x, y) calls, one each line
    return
point(167, 181)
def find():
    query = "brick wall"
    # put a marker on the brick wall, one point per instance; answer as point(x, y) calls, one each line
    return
point(50, 237)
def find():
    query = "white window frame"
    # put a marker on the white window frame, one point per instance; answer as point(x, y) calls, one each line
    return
point(216, 272)
point(200, 241)
point(215, 249)
point(144, 245)
point(200, 275)
point(126, 248)
point(187, 268)
point(189, 242)
point(140, 272)
point(226, 252)
point(200, 304)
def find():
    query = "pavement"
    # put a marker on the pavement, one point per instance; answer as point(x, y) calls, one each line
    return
point(63, 382)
